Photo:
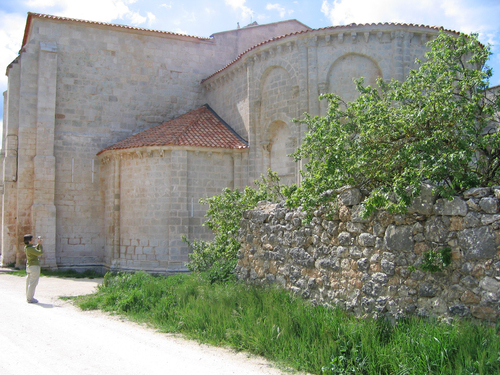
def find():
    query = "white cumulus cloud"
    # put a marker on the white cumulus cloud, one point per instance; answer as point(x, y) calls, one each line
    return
point(180, 31)
point(11, 35)
point(239, 5)
point(460, 15)
point(342, 12)
point(279, 8)
point(93, 10)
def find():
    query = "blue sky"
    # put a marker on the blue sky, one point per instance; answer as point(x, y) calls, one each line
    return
point(203, 18)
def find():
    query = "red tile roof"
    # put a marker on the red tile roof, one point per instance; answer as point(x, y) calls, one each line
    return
point(201, 127)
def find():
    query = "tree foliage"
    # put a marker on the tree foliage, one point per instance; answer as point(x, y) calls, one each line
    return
point(439, 126)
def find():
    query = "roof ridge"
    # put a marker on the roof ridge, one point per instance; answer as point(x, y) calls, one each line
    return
point(32, 15)
point(188, 127)
point(226, 124)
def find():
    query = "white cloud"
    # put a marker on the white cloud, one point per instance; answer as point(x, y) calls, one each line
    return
point(11, 34)
point(342, 12)
point(93, 10)
point(137, 19)
point(460, 15)
point(151, 18)
point(239, 5)
point(167, 6)
point(180, 31)
point(41, 3)
point(279, 8)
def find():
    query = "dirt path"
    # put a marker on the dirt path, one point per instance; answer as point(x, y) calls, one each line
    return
point(54, 337)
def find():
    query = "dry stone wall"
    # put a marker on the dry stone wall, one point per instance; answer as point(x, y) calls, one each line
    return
point(371, 266)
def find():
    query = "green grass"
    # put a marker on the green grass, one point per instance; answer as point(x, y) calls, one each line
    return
point(270, 322)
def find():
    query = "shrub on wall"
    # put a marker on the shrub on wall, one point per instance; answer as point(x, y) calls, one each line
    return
point(438, 127)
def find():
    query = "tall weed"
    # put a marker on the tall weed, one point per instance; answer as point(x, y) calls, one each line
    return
point(271, 322)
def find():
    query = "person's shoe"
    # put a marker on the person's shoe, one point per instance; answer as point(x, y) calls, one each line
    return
point(33, 301)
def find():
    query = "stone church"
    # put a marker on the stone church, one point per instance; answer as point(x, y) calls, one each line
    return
point(113, 133)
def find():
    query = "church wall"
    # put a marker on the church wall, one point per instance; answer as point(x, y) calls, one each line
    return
point(107, 194)
point(26, 146)
point(247, 37)
point(242, 98)
point(151, 199)
point(109, 85)
point(79, 228)
point(145, 202)
point(278, 94)
point(209, 172)
point(386, 54)
point(10, 236)
point(229, 99)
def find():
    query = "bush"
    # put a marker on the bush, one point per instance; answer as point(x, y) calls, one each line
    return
point(438, 127)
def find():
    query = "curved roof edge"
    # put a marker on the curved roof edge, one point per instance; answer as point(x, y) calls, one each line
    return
point(339, 27)
point(31, 16)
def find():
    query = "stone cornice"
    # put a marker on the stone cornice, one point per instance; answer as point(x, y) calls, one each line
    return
point(160, 152)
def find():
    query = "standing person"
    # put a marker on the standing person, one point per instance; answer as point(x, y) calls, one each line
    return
point(32, 266)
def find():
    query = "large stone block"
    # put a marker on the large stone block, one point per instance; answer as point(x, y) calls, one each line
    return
point(436, 229)
point(366, 239)
point(399, 238)
point(477, 243)
point(477, 192)
point(489, 205)
point(424, 203)
point(350, 196)
point(490, 284)
point(454, 207)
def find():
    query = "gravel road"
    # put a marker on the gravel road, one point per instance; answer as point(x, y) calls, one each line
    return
point(55, 337)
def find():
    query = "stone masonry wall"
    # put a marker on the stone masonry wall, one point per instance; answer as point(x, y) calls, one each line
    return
point(372, 265)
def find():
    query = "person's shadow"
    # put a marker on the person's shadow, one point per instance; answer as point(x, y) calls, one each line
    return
point(45, 305)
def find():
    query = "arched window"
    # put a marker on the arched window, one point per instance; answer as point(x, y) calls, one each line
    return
point(349, 67)
point(281, 144)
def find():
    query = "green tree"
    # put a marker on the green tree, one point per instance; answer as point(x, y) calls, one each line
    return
point(439, 126)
